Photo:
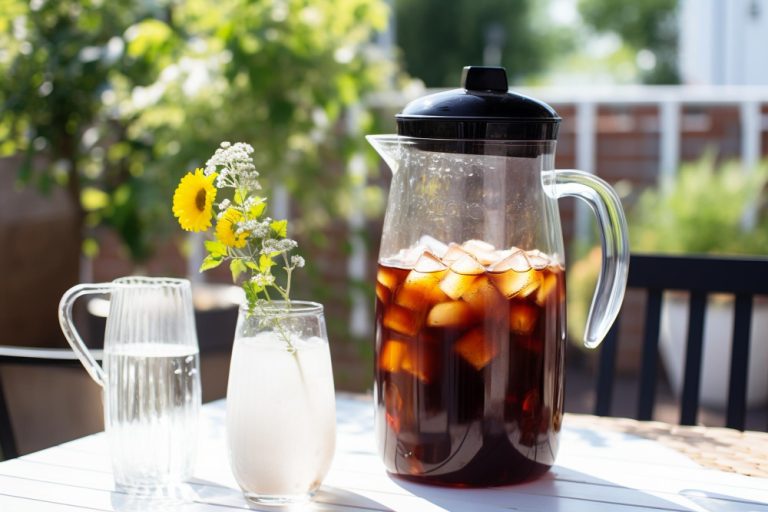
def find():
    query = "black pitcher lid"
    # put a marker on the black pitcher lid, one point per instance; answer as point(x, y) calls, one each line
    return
point(483, 109)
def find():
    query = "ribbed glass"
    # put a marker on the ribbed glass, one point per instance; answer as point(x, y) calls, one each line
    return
point(151, 378)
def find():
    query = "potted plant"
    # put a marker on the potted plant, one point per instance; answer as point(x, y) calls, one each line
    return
point(708, 209)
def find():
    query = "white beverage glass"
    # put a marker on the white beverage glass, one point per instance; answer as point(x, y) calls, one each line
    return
point(150, 377)
point(281, 412)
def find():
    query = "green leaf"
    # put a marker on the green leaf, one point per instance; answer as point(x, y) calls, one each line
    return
point(238, 198)
point(251, 291)
point(237, 267)
point(265, 263)
point(251, 265)
point(258, 209)
point(280, 228)
point(215, 248)
point(210, 262)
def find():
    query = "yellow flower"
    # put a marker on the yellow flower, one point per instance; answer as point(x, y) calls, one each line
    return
point(193, 201)
point(226, 229)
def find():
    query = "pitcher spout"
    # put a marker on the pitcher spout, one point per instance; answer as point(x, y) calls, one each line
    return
point(389, 147)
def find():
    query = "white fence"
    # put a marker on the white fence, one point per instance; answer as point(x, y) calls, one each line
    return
point(670, 101)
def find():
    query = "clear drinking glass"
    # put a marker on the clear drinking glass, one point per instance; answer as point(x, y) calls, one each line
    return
point(281, 413)
point(150, 378)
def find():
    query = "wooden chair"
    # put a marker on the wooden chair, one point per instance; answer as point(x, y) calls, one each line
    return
point(700, 275)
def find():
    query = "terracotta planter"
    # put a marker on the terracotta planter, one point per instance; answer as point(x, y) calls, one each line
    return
point(716, 359)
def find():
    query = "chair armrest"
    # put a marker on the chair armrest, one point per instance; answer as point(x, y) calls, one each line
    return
point(42, 356)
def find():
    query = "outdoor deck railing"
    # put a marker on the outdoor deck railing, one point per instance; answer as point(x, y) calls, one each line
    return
point(670, 102)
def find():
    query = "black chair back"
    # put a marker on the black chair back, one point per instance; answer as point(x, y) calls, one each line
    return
point(55, 357)
point(700, 275)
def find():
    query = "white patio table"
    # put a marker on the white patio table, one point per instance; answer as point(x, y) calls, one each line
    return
point(604, 464)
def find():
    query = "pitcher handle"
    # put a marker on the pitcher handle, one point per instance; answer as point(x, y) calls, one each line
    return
point(612, 281)
point(70, 332)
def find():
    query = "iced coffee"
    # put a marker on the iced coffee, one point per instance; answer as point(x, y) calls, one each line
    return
point(469, 356)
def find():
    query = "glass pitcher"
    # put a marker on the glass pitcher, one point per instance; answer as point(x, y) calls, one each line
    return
point(150, 377)
point(470, 290)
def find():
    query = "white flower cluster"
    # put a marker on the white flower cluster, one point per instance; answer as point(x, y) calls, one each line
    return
point(271, 245)
point(226, 203)
point(255, 227)
point(234, 166)
point(248, 203)
point(263, 280)
point(256, 242)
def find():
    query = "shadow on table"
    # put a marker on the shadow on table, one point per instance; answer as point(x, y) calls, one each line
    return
point(333, 498)
point(167, 500)
point(716, 502)
point(204, 492)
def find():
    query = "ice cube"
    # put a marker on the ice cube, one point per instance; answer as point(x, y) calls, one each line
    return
point(548, 285)
point(475, 348)
point(451, 314)
point(510, 282)
point(412, 297)
point(460, 276)
point(389, 276)
point(433, 245)
point(398, 355)
point(483, 252)
point(420, 290)
point(483, 297)
point(513, 275)
point(428, 262)
point(419, 364)
point(391, 356)
point(407, 257)
point(532, 285)
point(453, 253)
point(516, 261)
point(454, 285)
point(538, 259)
point(383, 293)
point(522, 317)
point(402, 320)
point(502, 254)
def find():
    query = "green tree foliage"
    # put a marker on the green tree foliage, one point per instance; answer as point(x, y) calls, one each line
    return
point(58, 62)
point(117, 99)
point(439, 37)
point(649, 25)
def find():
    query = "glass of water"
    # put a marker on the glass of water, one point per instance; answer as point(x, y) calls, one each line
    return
point(150, 377)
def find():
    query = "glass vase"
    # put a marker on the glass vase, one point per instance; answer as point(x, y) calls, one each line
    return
point(281, 413)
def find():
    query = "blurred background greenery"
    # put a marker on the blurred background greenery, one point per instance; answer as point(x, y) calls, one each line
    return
point(120, 98)
point(112, 101)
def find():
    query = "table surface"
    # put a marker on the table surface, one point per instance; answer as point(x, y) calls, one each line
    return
point(603, 465)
